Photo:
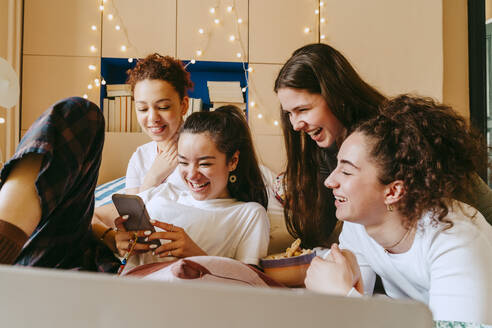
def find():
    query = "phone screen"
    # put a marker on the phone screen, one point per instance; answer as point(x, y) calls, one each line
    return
point(138, 218)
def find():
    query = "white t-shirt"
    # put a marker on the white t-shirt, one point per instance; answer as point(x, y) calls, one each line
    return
point(140, 163)
point(449, 270)
point(221, 227)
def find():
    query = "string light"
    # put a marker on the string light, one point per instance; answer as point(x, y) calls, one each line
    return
point(103, 82)
point(193, 61)
point(216, 21)
point(85, 96)
point(117, 27)
point(94, 27)
point(123, 48)
point(232, 38)
point(229, 9)
point(2, 120)
point(93, 48)
point(201, 31)
point(110, 16)
point(243, 89)
point(250, 69)
point(322, 20)
point(239, 20)
point(96, 82)
point(316, 12)
point(101, 7)
point(239, 55)
point(275, 122)
point(252, 104)
point(322, 36)
point(260, 115)
point(198, 53)
point(92, 67)
point(307, 30)
point(212, 10)
point(89, 87)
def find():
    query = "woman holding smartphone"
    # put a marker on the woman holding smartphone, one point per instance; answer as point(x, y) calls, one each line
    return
point(222, 212)
point(394, 188)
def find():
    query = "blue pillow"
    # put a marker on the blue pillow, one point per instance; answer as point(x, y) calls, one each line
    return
point(104, 192)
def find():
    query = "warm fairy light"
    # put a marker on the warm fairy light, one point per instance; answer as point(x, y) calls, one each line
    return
point(275, 122)
point(92, 67)
point(96, 82)
point(123, 48)
point(322, 20)
point(110, 16)
point(239, 20)
point(198, 53)
point(260, 115)
point(216, 21)
point(94, 27)
point(130, 60)
point(105, 1)
point(85, 96)
point(201, 31)
point(117, 27)
point(239, 55)
point(307, 30)
point(193, 61)
point(212, 10)
point(103, 82)
point(243, 89)
point(252, 104)
point(101, 7)
point(229, 8)
point(89, 87)
point(93, 48)
point(321, 3)
point(232, 38)
point(250, 69)
point(316, 12)
point(322, 36)
point(2, 120)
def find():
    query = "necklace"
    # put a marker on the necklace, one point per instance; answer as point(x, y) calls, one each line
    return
point(386, 249)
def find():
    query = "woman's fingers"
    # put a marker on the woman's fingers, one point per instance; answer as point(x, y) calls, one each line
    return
point(169, 249)
point(119, 222)
point(166, 226)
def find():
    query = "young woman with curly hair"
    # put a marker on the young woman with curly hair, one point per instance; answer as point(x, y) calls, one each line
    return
point(159, 85)
point(394, 189)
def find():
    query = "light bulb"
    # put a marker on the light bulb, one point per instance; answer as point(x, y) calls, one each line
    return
point(238, 55)
point(117, 27)
point(250, 69)
point(130, 60)
point(123, 48)
point(105, 1)
point(306, 30)
point(94, 27)
point(103, 82)
point(92, 67)
point(93, 48)
point(321, 3)
point(322, 36)
point(85, 96)
point(201, 31)
point(216, 21)
point(316, 12)
point(212, 10)
point(110, 16)
point(198, 53)
point(239, 20)
point(101, 7)
point(260, 115)
point(89, 87)
point(229, 8)
point(232, 38)
point(275, 122)
point(193, 61)
point(252, 104)
point(243, 89)
point(2, 120)
point(96, 81)
point(322, 20)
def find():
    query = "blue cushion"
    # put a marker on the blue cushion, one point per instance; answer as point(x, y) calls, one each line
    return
point(104, 192)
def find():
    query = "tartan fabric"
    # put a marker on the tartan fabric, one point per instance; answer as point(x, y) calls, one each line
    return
point(70, 136)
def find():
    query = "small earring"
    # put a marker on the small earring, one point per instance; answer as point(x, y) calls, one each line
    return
point(389, 207)
point(232, 178)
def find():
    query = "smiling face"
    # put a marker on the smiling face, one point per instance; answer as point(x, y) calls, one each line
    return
point(359, 196)
point(203, 167)
point(309, 112)
point(159, 108)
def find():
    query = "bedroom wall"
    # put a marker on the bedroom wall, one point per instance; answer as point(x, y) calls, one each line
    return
point(397, 45)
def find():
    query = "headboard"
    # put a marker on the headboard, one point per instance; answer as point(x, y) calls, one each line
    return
point(54, 298)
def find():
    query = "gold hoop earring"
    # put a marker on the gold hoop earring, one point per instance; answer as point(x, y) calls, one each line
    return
point(389, 207)
point(232, 178)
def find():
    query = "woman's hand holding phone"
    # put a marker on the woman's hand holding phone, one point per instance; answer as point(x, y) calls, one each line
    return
point(180, 245)
point(123, 238)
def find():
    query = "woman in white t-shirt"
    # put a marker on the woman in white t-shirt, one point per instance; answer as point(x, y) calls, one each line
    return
point(221, 211)
point(159, 85)
point(393, 188)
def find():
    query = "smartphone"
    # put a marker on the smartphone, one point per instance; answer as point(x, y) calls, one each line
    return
point(138, 218)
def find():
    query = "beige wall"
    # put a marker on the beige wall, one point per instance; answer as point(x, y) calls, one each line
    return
point(488, 9)
point(3, 54)
point(455, 47)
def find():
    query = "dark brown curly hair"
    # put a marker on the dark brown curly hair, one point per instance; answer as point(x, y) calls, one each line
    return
point(157, 67)
point(428, 146)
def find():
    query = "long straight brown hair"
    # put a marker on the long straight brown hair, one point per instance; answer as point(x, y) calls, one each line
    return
point(319, 69)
